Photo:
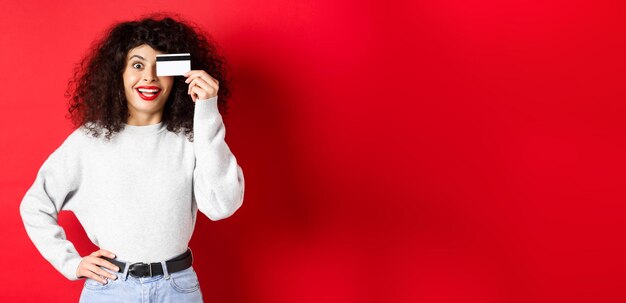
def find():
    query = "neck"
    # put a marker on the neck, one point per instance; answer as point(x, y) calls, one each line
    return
point(143, 120)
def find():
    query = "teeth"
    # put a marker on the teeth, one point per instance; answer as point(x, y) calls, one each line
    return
point(143, 90)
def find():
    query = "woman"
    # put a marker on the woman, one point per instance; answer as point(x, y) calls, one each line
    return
point(149, 151)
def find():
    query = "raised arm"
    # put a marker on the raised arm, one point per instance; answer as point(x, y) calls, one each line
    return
point(218, 182)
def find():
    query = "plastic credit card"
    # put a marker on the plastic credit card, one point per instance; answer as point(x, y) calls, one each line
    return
point(173, 64)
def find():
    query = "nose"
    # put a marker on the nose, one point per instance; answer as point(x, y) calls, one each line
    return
point(149, 75)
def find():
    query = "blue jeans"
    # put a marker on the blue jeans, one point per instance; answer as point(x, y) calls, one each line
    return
point(181, 286)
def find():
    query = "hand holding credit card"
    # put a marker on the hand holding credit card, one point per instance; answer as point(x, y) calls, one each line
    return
point(173, 64)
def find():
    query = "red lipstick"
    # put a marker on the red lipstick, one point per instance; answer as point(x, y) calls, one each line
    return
point(153, 92)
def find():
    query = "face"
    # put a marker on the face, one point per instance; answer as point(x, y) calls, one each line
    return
point(146, 93)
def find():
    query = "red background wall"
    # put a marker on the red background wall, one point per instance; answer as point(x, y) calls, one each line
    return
point(416, 151)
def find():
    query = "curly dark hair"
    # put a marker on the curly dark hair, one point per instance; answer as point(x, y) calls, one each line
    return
point(96, 92)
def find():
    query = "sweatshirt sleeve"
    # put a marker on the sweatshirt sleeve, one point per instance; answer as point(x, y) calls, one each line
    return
point(54, 185)
point(218, 183)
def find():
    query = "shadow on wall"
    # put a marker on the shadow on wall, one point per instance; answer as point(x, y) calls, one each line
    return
point(277, 211)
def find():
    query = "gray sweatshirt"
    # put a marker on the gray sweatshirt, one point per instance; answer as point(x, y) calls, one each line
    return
point(136, 195)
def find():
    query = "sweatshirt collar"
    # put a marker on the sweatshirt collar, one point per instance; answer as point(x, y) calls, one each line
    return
point(144, 129)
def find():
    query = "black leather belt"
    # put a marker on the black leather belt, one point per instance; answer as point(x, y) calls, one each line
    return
point(142, 270)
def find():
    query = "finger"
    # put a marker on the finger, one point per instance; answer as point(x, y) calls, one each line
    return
point(210, 87)
point(105, 273)
point(199, 83)
point(196, 72)
point(191, 83)
point(193, 96)
point(93, 263)
point(79, 270)
point(201, 93)
point(103, 252)
point(94, 272)
point(107, 264)
point(93, 276)
point(191, 75)
point(187, 73)
point(202, 74)
point(189, 89)
point(202, 84)
point(212, 83)
point(95, 269)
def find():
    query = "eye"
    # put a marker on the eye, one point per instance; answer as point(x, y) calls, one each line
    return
point(137, 65)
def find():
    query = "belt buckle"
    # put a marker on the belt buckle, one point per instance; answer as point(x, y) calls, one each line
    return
point(135, 269)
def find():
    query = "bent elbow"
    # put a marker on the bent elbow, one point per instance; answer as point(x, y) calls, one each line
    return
point(219, 215)
point(223, 209)
point(224, 206)
point(222, 201)
point(26, 208)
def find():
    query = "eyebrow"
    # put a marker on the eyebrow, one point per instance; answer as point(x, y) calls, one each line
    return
point(140, 57)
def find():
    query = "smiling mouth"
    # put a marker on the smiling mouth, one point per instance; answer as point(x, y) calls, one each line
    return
point(148, 93)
